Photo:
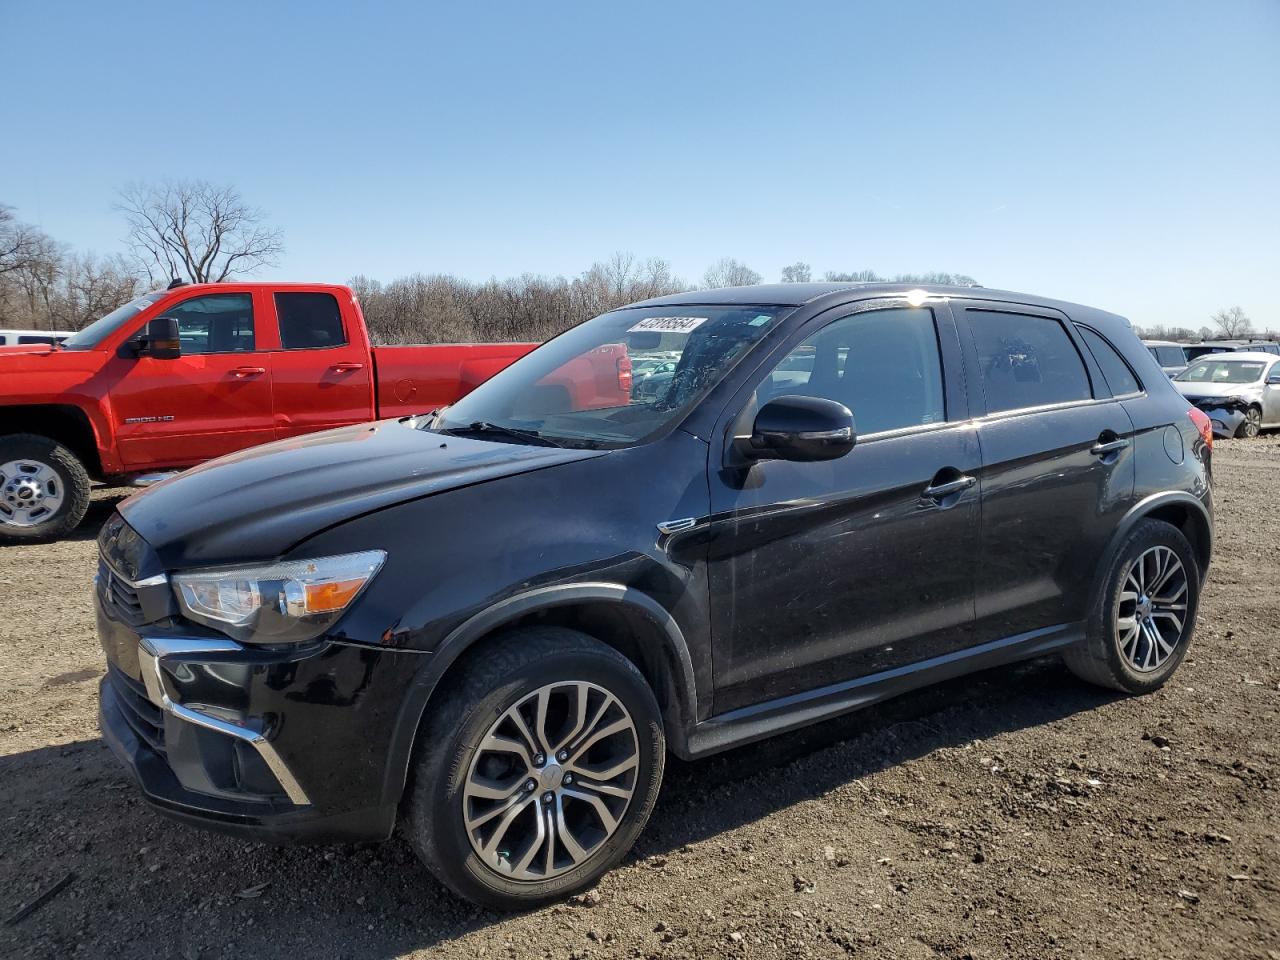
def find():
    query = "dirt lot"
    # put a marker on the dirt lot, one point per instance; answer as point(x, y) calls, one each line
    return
point(1016, 813)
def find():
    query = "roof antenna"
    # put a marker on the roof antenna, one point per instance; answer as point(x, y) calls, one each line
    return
point(175, 283)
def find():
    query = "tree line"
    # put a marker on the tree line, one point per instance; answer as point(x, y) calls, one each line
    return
point(201, 232)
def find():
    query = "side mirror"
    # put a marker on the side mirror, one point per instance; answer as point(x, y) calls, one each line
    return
point(1274, 377)
point(161, 341)
point(800, 429)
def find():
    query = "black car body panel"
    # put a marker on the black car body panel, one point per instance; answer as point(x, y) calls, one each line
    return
point(755, 597)
point(285, 491)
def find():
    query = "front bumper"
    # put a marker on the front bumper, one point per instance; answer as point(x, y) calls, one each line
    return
point(283, 744)
point(1225, 419)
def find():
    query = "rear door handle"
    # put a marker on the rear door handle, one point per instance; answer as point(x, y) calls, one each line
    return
point(1102, 449)
point(243, 372)
point(940, 490)
point(346, 367)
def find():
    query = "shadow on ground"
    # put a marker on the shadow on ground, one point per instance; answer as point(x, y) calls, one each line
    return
point(145, 886)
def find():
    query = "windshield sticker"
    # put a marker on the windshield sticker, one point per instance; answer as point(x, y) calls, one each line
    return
point(668, 325)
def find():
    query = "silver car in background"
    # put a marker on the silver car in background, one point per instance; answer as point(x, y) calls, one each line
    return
point(1239, 391)
point(1171, 356)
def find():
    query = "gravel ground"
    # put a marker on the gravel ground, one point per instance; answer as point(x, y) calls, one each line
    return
point(1015, 813)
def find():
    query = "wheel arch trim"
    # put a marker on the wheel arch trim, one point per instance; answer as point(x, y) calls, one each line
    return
point(1156, 502)
point(484, 623)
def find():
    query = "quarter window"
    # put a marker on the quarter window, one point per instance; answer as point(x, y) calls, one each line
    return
point(309, 320)
point(884, 365)
point(216, 323)
point(1026, 361)
point(1119, 377)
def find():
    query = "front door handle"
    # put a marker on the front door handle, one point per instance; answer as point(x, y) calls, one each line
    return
point(1101, 449)
point(243, 372)
point(938, 491)
point(346, 367)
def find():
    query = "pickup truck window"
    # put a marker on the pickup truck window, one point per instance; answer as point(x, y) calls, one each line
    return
point(103, 327)
point(614, 381)
point(309, 320)
point(217, 323)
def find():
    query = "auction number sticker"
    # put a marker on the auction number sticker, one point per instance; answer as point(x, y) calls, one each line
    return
point(668, 325)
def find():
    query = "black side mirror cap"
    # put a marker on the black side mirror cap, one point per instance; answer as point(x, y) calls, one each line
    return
point(161, 341)
point(800, 429)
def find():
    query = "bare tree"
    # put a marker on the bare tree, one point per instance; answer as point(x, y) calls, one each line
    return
point(728, 272)
point(1232, 323)
point(196, 230)
point(798, 272)
point(22, 246)
point(859, 276)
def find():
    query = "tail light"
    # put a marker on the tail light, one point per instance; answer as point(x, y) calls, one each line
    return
point(624, 374)
point(1203, 424)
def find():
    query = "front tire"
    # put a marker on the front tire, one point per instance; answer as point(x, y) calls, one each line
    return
point(535, 774)
point(44, 488)
point(1252, 425)
point(1145, 613)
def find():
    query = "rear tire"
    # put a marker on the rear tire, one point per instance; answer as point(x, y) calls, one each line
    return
point(1145, 612)
point(44, 488)
point(470, 812)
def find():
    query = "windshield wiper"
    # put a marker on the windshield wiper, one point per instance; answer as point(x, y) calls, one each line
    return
point(484, 426)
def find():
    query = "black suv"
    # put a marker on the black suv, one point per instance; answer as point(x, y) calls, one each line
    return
point(490, 623)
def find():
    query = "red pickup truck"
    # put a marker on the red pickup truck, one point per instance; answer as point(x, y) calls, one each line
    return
point(184, 375)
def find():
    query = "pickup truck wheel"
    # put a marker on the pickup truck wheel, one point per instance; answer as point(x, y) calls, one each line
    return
point(1141, 625)
point(537, 771)
point(44, 489)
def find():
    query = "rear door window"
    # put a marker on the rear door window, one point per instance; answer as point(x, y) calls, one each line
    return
point(1120, 378)
point(1026, 361)
point(1171, 356)
point(309, 321)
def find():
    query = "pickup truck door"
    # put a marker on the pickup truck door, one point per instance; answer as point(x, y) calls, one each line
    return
point(212, 400)
point(322, 373)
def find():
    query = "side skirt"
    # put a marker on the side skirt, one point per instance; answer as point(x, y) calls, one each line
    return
point(761, 720)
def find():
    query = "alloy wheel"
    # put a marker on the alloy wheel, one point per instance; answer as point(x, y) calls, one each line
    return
point(31, 493)
point(1252, 424)
point(551, 781)
point(1151, 610)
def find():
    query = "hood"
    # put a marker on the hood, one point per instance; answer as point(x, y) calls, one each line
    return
point(31, 357)
point(257, 504)
point(1194, 391)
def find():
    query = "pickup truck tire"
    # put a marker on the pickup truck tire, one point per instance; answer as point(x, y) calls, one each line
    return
point(514, 826)
point(44, 489)
point(1143, 620)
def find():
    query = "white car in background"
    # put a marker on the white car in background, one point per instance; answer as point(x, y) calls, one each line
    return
point(12, 338)
point(1240, 391)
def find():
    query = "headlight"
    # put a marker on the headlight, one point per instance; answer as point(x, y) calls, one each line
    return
point(279, 602)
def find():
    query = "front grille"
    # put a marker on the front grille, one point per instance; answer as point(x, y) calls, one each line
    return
point(118, 596)
point(144, 718)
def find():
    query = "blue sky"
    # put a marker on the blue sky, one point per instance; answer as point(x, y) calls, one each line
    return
point(1120, 154)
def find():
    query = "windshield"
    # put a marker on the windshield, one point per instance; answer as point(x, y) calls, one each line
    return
point(613, 381)
point(100, 329)
point(1222, 371)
